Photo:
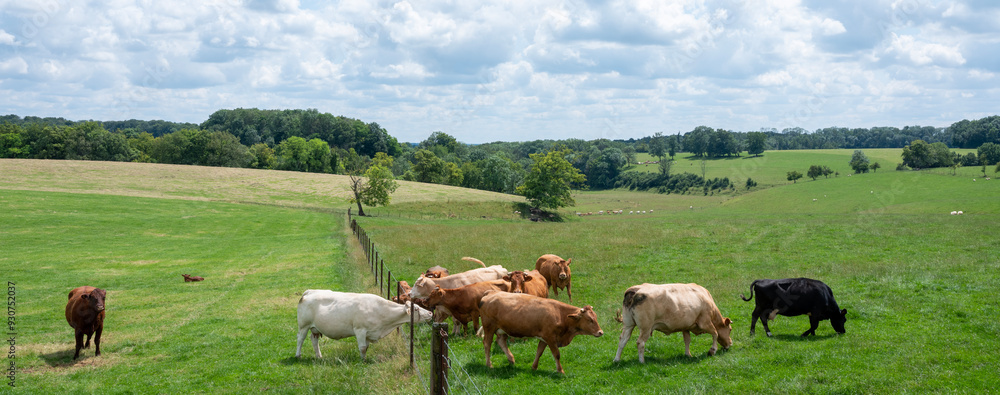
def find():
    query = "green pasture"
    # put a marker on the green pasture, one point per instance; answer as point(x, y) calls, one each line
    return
point(919, 284)
point(232, 333)
point(772, 167)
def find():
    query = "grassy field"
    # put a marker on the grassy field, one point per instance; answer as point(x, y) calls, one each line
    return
point(919, 284)
point(772, 167)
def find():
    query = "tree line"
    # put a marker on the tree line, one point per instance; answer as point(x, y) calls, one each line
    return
point(307, 140)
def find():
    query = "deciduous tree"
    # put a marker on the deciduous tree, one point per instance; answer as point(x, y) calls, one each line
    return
point(548, 183)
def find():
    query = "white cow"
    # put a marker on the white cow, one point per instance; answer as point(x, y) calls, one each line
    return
point(670, 308)
point(338, 315)
point(423, 287)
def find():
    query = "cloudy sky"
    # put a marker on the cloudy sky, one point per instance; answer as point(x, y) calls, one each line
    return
point(509, 70)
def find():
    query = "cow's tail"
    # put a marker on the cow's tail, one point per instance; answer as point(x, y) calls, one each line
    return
point(471, 259)
point(752, 286)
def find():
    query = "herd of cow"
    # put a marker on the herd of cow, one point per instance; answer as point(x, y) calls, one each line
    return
point(517, 304)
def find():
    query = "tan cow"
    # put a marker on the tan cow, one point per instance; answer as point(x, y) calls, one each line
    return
point(670, 308)
point(423, 287)
point(529, 282)
point(552, 322)
point(463, 303)
point(556, 272)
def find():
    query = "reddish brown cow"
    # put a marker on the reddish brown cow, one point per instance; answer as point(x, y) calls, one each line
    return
point(85, 314)
point(554, 323)
point(189, 278)
point(463, 303)
point(556, 272)
point(529, 282)
point(404, 293)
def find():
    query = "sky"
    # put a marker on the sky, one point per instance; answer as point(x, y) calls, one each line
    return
point(511, 70)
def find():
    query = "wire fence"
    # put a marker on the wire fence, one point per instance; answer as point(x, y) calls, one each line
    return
point(442, 359)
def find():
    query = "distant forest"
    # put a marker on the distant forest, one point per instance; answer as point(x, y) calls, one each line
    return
point(307, 140)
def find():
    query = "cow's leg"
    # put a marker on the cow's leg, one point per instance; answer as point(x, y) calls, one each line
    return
point(568, 292)
point(488, 343)
point(301, 338)
point(763, 321)
point(687, 343)
point(315, 341)
point(813, 324)
point(86, 344)
point(79, 343)
point(97, 339)
point(362, 336)
point(502, 341)
point(555, 354)
point(644, 334)
point(753, 319)
point(538, 354)
point(626, 334)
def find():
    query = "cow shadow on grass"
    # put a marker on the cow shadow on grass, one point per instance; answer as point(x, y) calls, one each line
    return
point(504, 370)
point(681, 359)
point(63, 358)
point(789, 337)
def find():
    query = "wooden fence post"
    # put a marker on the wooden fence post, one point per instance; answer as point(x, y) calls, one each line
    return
point(439, 358)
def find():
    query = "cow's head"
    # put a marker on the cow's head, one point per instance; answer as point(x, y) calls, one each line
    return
point(725, 333)
point(96, 299)
point(422, 288)
point(563, 266)
point(420, 314)
point(586, 322)
point(838, 320)
point(436, 272)
point(434, 298)
point(517, 279)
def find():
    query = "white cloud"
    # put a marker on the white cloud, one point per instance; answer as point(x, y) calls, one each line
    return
point(906, 47)
point(15, 65)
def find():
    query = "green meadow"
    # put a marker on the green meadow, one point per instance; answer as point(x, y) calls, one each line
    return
point(919, 284)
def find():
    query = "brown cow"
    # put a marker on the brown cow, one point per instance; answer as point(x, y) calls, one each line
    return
point(670, 308)
point(556, 272)
point(85, 314)
point(404, 293)
point(553, 322)
point(463, 303)
point(189, 278)
point(436, 272)
point(529, 282)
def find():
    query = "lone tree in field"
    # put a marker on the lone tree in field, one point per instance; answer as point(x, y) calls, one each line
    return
point(859, 162)
point(375, 185)
point(658, 146)
point(548, 183)
point(815, 171)
point(794, 176)
point(875, 166)
point(756, 141)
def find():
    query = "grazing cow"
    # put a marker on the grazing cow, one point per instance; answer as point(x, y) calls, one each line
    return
point(425, 285)
point(404, 293)
point(556, 272)
point(463, 303)
point(552, 322)
point(189, 278)
point(85, 314)
point(795, 296)
point(669, 308)
point(338, 315)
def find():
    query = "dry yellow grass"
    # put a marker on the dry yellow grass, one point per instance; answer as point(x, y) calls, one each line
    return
point(272, 187)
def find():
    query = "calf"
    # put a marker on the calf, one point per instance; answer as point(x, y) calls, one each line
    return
point(669, 308)
point(529, 282)
point(189, 278)
point(795, 296)
point(463, 303)
point(403, 293)
point(338, 315)
point(556, 272)
point(85, 314)
point(552, 322)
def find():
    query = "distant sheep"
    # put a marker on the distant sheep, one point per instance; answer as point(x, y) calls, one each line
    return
point(954, 213)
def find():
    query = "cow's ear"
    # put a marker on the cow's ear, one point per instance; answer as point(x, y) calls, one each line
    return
point(527, 278)
point(568, 261)
point(506, 278)
point(727, 322)
point(843, 312)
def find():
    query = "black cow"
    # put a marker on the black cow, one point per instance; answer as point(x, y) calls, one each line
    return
point(795, 296)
